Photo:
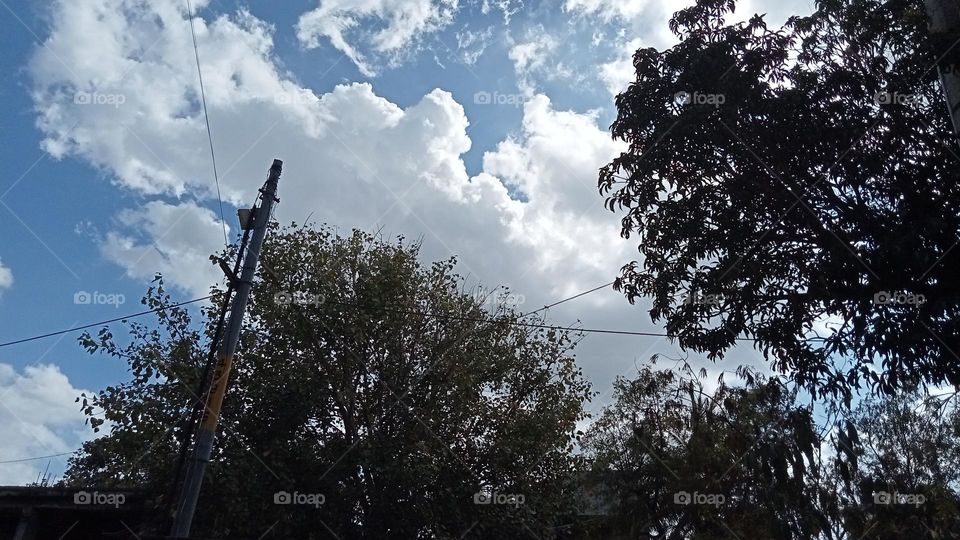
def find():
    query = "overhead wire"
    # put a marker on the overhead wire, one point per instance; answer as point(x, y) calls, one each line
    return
point(385, 308)
point(108, 321)
point(206, 117)
point(35, 458)
point(429, 315)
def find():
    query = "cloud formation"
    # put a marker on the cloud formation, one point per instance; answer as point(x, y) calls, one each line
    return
point(38, 417)
point(401, 25)
point(6, 277)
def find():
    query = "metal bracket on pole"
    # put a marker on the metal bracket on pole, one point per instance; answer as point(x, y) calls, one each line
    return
point(227, 271)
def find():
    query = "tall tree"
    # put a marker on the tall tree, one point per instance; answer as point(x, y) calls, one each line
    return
point(899, 465)
point(375, 390)
point(796, 177)
point(679, 461)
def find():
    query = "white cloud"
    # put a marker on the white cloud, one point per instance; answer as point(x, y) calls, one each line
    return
point(6, 277)
point(619, 73)
point(178, 240)
point(532, 55)
point(405, 21)
point(352, 159)
point(38, 417)
point(508, 8)
point(536, 57)
point(472, 44)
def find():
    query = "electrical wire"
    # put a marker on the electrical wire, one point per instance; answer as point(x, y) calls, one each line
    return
point(206, 117)
point(35, 458)
point(430, 315)
point(108, 321)
point(584, 293)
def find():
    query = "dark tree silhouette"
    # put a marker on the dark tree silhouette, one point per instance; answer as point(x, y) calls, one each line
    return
point(794, 177)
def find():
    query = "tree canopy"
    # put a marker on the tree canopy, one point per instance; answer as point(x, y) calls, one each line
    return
point(403, 404)
point(796, 177)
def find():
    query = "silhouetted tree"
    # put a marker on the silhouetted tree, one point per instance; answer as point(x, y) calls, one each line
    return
point(796, 177)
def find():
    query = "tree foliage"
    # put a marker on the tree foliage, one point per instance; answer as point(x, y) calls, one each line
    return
point(796, 175)
point(685, 462)
point(899, 464)
point(361, 376)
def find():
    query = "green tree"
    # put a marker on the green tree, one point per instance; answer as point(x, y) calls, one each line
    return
point(795, 175)
point(679, 461)
point(899, 463)
point(361, 376)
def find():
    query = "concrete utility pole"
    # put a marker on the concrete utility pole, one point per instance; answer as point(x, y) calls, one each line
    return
point(945, 28)
point(203, 445)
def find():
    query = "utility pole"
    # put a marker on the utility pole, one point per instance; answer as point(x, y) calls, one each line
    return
point(945, 29)
point(203, 444)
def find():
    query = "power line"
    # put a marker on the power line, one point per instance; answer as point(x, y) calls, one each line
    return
point(536, 325)
point(206, 117)
point(584, 293)
point(75, 328)
point(35, 458)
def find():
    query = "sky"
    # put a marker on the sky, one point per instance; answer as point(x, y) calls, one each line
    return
point(478, 125)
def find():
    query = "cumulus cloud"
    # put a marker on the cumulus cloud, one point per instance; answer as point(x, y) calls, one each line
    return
point(175, 240)
point(38, 417)
point(618, 73)
point(531, 219)
point(6, 277)
point(403, 22)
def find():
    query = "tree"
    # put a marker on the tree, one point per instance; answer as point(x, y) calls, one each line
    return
point(376, 390)
point(682, 462)
point(898, 460)
point(796, 177)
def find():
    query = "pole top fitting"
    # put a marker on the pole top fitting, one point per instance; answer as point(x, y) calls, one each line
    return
point(277, 164)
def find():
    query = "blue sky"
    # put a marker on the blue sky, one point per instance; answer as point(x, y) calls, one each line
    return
point(383, 125)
